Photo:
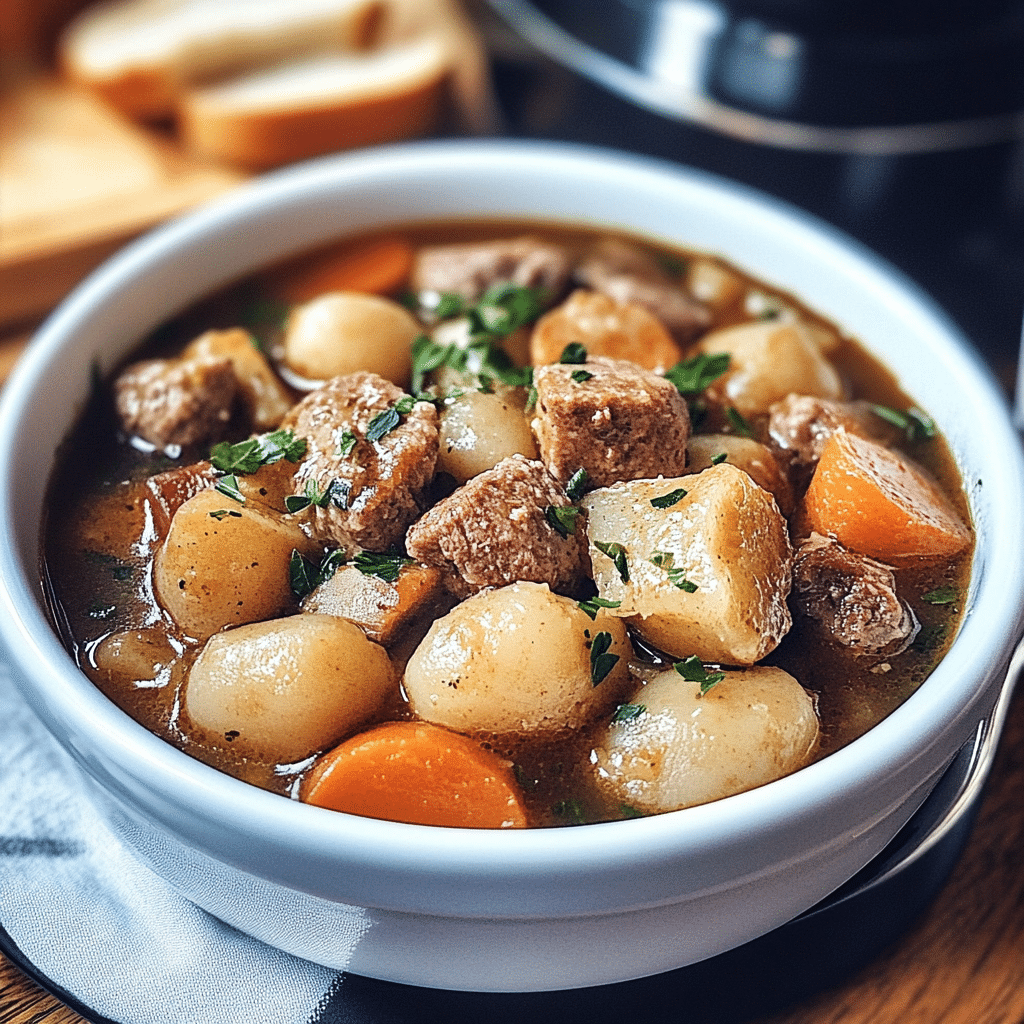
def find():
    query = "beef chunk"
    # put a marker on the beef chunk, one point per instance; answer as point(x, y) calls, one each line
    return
point(495, 530)
point(620, 423)
point(175, 401)
point(629, 275)
point(853, 597)
point(799, 426)
point(469, 269)
point(376, 487)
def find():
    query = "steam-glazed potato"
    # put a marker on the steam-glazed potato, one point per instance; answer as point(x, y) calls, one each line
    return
point(515, 659)
point(478, 430)
point(676, 748)
point(284, 689)
point(708, 573)
point(224, 564)
point(342, 332)
point(768, 361)
point(754, 458)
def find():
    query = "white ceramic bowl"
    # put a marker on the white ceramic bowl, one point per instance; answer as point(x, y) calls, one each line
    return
point(522, 909)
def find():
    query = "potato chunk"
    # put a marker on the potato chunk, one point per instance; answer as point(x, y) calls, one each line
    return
point(680, 748)
point(768, 361)
point(224, 564)
point(282, 690)
point(707, 575)
point(342, 332)
point(515, 659)
point(478, 430)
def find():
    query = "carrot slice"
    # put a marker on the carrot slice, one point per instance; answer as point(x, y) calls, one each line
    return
point(877, 502)
point(379, 266)
point(418, 773)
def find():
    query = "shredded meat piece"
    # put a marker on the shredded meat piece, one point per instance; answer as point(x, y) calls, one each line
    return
point(620, 423)
point(495, 530)
point(378, 487)
point(470, 268)
point(629, 275)
point(853, 597)
point(175, 401)
point(799, 426)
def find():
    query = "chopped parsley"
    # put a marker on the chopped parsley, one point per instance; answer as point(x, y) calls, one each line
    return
point(717, 460)
point(692, 376)
point(312, 495)
point(601, 662)
point(617, 553)
point(670, 499)
point(531, 398)
point(575, 487)
point(303, 576)
point(228, 486)
point(595, 604)
point(249, 455)
point(738, 423)
point(220, 513)
point(629, 811)
point(941, 595)
point(571, 810)
point(693, 671)
point(916, 425)
point(346, 444)
point(627, 712)
point(562, 518)
point(383, 423)
point(573, 353)
point(580, 376)
point(385, 566)
point(664, 560)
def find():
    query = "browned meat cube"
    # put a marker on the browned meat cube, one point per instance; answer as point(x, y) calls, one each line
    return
point(619, 423)
point(175, 401)
point(384, 611)
point(799, 426)
point(166, 492)
point(373, 487)
point(496, 529)
point(629, 275)
point(469, 269)
point(852, 597)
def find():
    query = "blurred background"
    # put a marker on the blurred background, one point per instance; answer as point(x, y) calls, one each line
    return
point(900, 123)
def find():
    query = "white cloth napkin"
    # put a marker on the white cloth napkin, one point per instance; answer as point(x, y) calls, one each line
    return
point(99, 924)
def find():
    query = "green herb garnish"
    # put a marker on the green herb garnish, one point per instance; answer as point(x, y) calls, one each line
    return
point(670, 499)
point(576, 485)
point(249, 455)
point(571, 810)
point(573, 353)
point(693, 375)
point(617, 553)
point(693, 671)
point(941, 595)
point(594, 604)
point(717, 460)
point(303, 575)
point(220, 513)
point(916, 425)
point(601, 662)
point(383, 423)
point(579, 376)
point(562, 518)
point(384, 566)
point(228, 486)
point(738, 423)
point(346, 444)
point(627, 712)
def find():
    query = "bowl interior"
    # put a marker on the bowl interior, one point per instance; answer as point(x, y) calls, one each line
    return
point(299, 208)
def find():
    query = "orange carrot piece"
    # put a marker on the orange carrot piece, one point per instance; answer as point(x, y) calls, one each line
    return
point(379, 266)
point(879, 503)
point(418, 773)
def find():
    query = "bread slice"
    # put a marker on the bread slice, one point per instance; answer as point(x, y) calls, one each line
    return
point(319, 104)
point(140, 54)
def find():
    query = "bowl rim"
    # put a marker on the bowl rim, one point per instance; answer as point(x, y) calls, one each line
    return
point(993, 620)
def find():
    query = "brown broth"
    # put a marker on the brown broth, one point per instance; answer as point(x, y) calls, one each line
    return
point(97, 563)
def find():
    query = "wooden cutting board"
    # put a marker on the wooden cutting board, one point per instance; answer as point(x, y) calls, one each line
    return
point(76, 182)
